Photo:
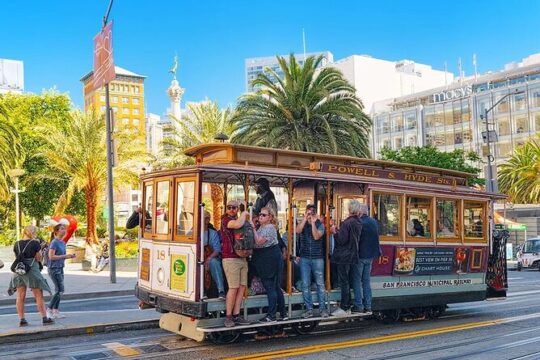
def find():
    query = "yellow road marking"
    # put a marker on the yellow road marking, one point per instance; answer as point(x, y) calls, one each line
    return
point(363, 342)
point(121, 349)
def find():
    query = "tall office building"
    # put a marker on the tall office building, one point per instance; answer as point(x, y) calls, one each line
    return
point(11, 76)
point(255, 66)
point(126, 99)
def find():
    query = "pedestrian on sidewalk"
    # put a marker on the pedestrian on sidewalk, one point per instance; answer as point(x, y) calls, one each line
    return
point(29, 250)
point(57, 257)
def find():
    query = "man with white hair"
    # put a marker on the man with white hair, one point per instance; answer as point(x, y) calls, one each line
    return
point(369, 248)
point(345, 255)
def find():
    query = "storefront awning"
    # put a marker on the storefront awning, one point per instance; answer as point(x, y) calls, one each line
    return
point(512, 225)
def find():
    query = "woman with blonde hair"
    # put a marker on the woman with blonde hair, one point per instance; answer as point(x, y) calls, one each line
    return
point(28, 250)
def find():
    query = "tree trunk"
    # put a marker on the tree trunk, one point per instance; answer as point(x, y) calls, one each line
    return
point(216, 194)
point(90, 197)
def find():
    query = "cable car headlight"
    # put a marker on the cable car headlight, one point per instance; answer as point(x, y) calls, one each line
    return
point(160, 275)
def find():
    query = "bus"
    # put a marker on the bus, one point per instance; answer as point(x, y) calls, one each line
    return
point(457, 256)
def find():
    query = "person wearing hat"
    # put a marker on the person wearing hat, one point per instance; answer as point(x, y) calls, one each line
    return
point(235, 267)
point(311, 231)
point(265, 196)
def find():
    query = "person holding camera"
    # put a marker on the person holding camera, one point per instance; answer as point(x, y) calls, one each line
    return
point(57, 257)
point(28, 251)
point(311, 259)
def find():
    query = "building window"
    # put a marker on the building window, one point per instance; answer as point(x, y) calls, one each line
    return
point(125, 111)
point(504, 105)
point(505, 149)
point(503, 125)
point(115, 109)
point(411, 141)
point(535, 98)
point(519, 102)
point(419, 217)
point(135, 111)
point(522, 124)
point(446, 218)
point(136, 89)
point(115, 99)
point(125, 100)
point(135, 101)
point(537, 121)
point(386, 210)
point(102, 98)
point(136, 122)
point(125, 121)
point(411, 121)
point(399, 143)
point(103, 108)
point(397, 122)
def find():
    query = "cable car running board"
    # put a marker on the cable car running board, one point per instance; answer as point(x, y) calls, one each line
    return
point(256, 324)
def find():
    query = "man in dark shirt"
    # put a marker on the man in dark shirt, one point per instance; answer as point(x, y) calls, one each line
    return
point(369, 248)
point(265, 196)
point(345, 255)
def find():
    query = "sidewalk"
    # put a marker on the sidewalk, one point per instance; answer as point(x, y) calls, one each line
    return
point(79, 284)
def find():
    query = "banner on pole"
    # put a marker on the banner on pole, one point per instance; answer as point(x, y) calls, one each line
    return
point(103, 57)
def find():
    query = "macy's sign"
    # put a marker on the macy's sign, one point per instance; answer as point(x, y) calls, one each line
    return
point(452, 94)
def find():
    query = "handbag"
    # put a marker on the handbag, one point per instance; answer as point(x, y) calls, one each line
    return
point(19, 267)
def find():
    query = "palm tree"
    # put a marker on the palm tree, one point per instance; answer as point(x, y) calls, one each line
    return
point(78, 151)
point(519, 177)
point(202, 123)
point(308, 109)
point(11, 152)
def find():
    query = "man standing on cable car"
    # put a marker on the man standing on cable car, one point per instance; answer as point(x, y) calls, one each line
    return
point(368, 249)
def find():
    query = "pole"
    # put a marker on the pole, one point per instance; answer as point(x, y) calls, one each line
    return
point(17, 213)
point(110, 194)
point(489, 185)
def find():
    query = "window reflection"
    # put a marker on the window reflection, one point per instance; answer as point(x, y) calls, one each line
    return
point(418, 219)
point(446, 218)
point(185, 205)
point(473, 217)
point(162, 208)
point(148, 210)
point(386, 212)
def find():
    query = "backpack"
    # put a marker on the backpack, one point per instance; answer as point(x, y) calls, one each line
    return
point(244, 240)
point(45, 255)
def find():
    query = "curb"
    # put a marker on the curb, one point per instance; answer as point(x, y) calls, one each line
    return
point(47, 333)
point(76, 296)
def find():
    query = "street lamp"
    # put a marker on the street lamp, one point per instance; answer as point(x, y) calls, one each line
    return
point(15, 174)
point(490, 136)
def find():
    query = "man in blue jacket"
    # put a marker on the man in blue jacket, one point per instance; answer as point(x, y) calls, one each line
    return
point(368, 249)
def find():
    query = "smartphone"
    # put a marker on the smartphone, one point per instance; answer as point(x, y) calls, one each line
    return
point(241, 207)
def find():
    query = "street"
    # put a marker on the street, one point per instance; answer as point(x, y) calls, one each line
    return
point(484, 330)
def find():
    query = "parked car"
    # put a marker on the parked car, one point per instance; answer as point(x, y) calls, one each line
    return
point(529, 254)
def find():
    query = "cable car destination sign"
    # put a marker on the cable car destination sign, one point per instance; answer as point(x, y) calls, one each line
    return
point(371, 172)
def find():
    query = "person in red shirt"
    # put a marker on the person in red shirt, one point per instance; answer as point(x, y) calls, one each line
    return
point(235, 267)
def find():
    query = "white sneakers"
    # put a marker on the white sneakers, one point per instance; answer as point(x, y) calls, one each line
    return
point(339, 312)
point(55, 314)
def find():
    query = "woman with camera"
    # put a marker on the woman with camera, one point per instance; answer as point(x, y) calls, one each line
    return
point(28, 251)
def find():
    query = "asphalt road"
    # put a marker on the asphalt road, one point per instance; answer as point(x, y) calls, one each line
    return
point(508, 329)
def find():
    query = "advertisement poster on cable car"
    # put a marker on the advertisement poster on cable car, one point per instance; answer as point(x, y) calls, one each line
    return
point(430, 261)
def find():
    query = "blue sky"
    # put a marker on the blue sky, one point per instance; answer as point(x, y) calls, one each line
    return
point(212, 38)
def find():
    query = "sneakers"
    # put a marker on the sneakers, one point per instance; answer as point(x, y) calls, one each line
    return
point(23, 322)
point(57, 315)
point(221, 295)
point(356, 310)
point(267, 320)
point(229, 322)
point(339, 312)
point(48, 321)
point(324, 313)
point(307, 314)
point(368, 312)
point(239, 320)
point(50, 313)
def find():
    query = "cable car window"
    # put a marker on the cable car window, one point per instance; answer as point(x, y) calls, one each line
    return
point(162, 207)
point(148, 207)
point(185, 205)
point(386, 212)
point(447, 219)
point(473, 218)
point(419, 216)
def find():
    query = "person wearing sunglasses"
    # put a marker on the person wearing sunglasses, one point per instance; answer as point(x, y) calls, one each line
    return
point(268, 262)
point(235, 267)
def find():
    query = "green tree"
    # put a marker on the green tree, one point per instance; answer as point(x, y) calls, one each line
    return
point(430, 156)
point(308, 109)
point(202, 123)
point(10, 152)
point(26, 113)
point(78, 151)
point(519, 177)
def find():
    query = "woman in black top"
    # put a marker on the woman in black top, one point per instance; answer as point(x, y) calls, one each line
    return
point(30, 249)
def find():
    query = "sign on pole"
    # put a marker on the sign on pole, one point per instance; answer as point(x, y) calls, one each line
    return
point(103, 57)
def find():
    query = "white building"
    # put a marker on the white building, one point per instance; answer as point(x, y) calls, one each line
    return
point(154, 133)
point(376, 79)
point(255, 66)
point(11, 76)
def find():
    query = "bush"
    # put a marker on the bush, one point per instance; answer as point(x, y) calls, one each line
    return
point(126, 249)
point(7, 238)
point(81, 232)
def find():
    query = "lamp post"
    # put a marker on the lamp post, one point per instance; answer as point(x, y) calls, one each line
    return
point(15, 174)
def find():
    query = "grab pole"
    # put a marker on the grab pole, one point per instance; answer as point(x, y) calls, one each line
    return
point(201, 256)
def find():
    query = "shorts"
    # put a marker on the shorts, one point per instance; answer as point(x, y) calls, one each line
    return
point(236, 272)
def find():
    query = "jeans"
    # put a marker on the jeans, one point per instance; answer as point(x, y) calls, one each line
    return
point(349, 274)
point(217, 273)
point(57, 277)
point(307, 268)
point(276, 301)
point(365, 276)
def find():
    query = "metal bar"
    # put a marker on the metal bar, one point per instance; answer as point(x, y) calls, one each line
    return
point(289, 237)
point(201, 252)
point(110, 194)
